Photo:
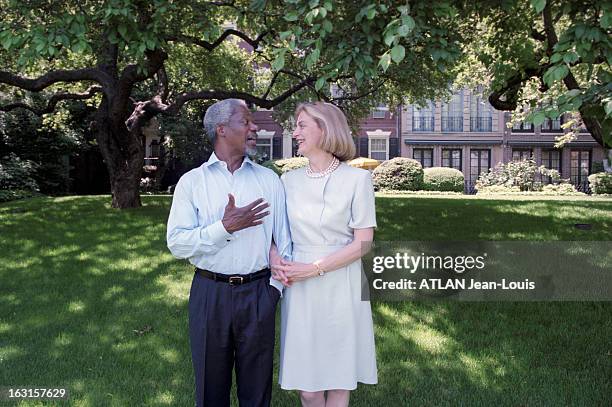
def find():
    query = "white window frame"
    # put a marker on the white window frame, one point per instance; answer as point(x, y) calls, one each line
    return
point(378, 135)
point(269, 136)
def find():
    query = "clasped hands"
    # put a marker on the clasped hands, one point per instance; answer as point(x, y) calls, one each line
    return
point(289, 272)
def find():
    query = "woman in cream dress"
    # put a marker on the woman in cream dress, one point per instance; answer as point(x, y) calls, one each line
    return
point(327, 338)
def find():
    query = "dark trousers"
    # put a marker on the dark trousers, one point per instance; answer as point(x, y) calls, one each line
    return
point(232, 325)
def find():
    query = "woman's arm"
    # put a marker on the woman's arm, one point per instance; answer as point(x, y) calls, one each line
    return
point(361, 244)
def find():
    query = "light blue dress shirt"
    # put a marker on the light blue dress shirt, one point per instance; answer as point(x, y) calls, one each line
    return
point(195, 231)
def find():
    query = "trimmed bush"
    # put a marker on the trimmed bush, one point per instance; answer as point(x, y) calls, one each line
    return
point(286, 164)
point(443, 179)
point(601, 183)
point(400, 173)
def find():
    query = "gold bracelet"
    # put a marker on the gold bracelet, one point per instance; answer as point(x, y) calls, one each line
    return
point(320, 270)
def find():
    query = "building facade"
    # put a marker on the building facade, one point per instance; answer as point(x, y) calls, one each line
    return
point(465, 133)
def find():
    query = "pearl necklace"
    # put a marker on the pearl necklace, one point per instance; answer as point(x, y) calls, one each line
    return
point(335, 163)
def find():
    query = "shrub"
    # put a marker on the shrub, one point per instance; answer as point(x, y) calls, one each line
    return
point(443, 179)
point(522, 174)
point(402, 174)
point(286, 164)
point(550, 189)
point(17, 174)
point(601, 183)
point(14, 194)
point(560, 189)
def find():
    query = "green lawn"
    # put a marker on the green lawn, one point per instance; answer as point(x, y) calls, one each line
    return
point(91, 300)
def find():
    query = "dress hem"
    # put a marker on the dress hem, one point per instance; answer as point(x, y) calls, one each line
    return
point(311, 390)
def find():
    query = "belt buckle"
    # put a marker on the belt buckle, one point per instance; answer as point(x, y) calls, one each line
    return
point(236, 280)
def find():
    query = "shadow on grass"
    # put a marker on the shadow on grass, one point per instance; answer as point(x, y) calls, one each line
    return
point(91, 299)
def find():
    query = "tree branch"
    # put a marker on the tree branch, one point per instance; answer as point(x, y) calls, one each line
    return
point(144, 111)
point(212, 45)
point(53, 101)
point(52, 77)
point(361, 95)
point(506, 98)
point(162, 83)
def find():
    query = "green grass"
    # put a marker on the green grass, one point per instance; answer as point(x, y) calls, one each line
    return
point(90, 299)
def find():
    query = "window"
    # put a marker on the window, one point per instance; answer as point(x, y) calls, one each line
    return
point(551, 159)
point(264, 148)
point(480, 162)
point(423, 117)
point(154, 152)
point(481, 114)
point(424, 156)
point(380, 112)
point(553, 125)
point(522, 127)
point(580, 167)
point(379, 149)
point(451, 158)
point(264, 144)
point(521, 154)
point(452, 113)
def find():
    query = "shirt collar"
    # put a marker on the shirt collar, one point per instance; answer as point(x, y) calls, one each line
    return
point(214, 159)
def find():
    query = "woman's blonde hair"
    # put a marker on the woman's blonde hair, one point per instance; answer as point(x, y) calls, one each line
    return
point(336, 138)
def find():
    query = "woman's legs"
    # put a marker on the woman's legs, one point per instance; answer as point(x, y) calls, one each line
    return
point(312, 399)
point(338, 398)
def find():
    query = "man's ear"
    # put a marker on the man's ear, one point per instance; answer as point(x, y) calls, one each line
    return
point(220, 130)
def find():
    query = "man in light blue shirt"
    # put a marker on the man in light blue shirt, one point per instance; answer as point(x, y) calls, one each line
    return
point(224, 216)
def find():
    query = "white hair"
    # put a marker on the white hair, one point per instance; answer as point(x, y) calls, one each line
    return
point(219, 113)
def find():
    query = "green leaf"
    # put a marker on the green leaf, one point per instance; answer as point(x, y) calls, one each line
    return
point(328, 26)
point(385, 61)
point(279, 62)
point(291, 16)
point(319, 83)
point(403, 30)
point(122, 29)
point(560, 72)
point(606, 20)
point(539, 118)
point(408, 22)
point(285, 34)
point(556, 57)
point(322, 12)
point(398, 53)
point(371, 13)
point(390, 37)
point(570, 57)
point(580, 30)
point(312, 58)
point(538, 5)
point(6, 42)
point(608, 108)
point(150, 43)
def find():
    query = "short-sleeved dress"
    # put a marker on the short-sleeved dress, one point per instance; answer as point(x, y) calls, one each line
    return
point(327, 337)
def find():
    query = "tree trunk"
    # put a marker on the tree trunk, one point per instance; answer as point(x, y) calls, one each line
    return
point(123, 155)
point(125, 188)
point(594, 118)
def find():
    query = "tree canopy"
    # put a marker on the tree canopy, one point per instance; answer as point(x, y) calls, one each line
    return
point(545, 58)
point(137, 59)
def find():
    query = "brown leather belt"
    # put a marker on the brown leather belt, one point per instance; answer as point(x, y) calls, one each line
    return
point(234, 279)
